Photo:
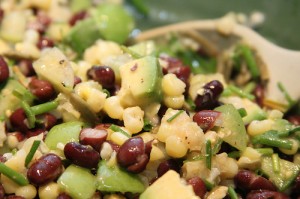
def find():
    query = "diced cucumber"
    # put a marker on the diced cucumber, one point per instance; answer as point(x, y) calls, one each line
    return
point(79, 5)
point(115, 179)
point(232, 129)
point(284, 178)
point(78, 182)
point(63, 133)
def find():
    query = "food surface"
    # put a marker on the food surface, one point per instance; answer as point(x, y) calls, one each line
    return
point(87, 112)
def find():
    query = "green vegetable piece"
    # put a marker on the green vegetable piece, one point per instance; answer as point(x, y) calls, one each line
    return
point(63, 133)
point(169, 186)
point(83, 35)
point(175, 115)
point(79, 5)
point(282, 179)
point(232, 128)
point(78, 182)
point(13, 175)
point(34, 147)
point(113, 22)
point(208, 155)
point(232, 193)
point(141, 79)
point(115, 128)
point(8, 101)
point(115, 179)
point(272, 138)
point(249, 58)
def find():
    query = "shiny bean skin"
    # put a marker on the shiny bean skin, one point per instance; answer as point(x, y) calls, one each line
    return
point(2, 158)
point(63, 196)
point(266, 194)
point(45, 169)
point(167, 165)
point(41, 23)
point(206, 119)
point(49, 120)
point(42, 89)
point(1, 14)
point(45, 42)
point(81, 155)
point(17, 120)
point(132, 155)
point(4, 70)
point(248, 180)
point(33, 132)
point(93, 137)
point(198, 186)
point(209, 98)
point(102, 74)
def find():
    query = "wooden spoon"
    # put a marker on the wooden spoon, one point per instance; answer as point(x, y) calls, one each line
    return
point(283, 65)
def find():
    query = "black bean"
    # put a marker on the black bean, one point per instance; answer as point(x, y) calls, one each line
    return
point(248, 180)
point(132, 155)
point(45, 169)
point(77, 17)
point(81, 155)
point(42, 89)
point(93, 137)
point(206, 119)
point(167, 165)
point(45, 42)
point(266, 194)
point(104, 75)
point(18, 120)
point(198, 186)
point(4, 70)
point(209, 98)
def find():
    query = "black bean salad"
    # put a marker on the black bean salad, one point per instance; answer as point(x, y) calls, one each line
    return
point(86, 113)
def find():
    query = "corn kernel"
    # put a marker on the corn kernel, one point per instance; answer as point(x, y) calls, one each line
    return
point(133, 119)
point(49, 191)
point(27, 191)
point(175, 102)
point(118, 138)
point(294, 149)
point(175, 147)
point(259, 127)
point(113, 108)
point(172, 86)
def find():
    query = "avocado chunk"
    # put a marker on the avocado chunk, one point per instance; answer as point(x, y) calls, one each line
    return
point(115, 179)
point(107, 21)
point(232, 129)
point(78, 182)
point(83, 35)
point(286, 175)
point(141, 82)
point(169, 186)
point(63, 133)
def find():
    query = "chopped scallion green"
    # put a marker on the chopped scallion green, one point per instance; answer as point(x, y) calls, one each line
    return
point(275, 163)
point(13, 175)
point(175, 115)
point(208, 155)
point(232, 193)
point(115, 128)
point(34, 147)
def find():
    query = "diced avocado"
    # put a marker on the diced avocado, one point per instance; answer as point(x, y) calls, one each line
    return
point(284, 178)
point(63, 133)
point(141, 79)
point(8, 101)
point(113, 22)
point(254, 112)
point(107, 21)
point(169, 186)
point(115, 179)
point(143, 48)
point(83, 35)
point(77, 182)
point(232, 129)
